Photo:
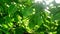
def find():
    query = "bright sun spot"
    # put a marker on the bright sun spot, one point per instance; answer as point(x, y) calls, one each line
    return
point(57, 1)
point(47, 1)
point(38, 1)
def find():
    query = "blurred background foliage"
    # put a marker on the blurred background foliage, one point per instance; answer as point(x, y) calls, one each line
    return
point(29, 17)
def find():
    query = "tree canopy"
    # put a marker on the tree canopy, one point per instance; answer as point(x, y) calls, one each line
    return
point(29, 17)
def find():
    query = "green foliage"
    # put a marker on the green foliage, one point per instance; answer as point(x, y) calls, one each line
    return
point(28, 17)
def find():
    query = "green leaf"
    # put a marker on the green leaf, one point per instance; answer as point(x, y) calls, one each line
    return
point(57, 16)
point(32, 25)
point(12, 9)
point(27, 11)
point(19, 30)
point(35, 20)
point(0, 32)
point(39, 7)
point(5, 30)
point(7, 19)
